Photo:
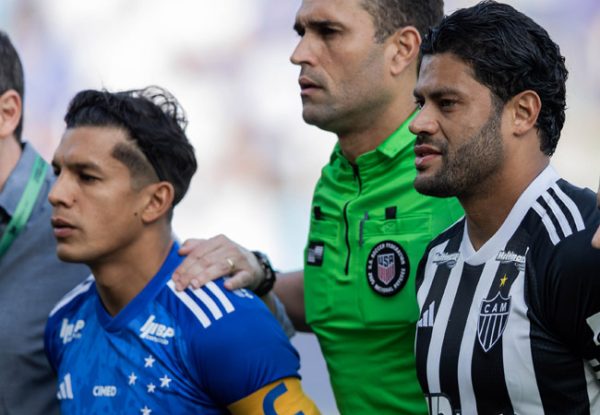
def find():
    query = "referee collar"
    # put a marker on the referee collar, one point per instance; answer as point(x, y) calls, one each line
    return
point(401, 140)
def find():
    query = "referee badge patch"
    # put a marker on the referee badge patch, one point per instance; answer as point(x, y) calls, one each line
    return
point(493, 316)
point(387, 268)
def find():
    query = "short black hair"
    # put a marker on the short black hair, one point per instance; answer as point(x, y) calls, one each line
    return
point(11, 74)
point(390, 15)
point(152, 119)
point(509, 53)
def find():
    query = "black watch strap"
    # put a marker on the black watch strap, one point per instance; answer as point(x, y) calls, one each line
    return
point(265, 285)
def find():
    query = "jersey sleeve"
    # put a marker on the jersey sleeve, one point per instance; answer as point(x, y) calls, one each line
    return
point(241, 352)
point(571, 295)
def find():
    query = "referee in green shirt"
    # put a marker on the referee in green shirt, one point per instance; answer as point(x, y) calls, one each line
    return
point(368, 226)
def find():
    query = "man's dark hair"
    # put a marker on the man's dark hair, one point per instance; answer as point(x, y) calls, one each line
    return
point(153, 120)
point(390, 15)
point(509, 53)
point(11, 74)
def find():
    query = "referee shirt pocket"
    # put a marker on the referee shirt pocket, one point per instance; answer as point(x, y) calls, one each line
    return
point(388, 259)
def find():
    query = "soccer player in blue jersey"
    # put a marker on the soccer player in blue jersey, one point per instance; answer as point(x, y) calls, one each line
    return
point(125, 341)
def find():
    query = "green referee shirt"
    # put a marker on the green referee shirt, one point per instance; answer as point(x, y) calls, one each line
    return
point(369, 228)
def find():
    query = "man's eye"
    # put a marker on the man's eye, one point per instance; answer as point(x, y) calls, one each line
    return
point(419, 103)
point(327, 31)
point(447, 103)
point(87, 178)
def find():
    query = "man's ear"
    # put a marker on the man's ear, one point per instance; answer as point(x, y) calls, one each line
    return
point(403, 48)
point(159, 201)
point(10, 112)
point(524, 109)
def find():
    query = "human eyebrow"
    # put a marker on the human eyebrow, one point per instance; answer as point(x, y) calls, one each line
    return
point(444, 92)
point(85, 166)
point(318, 25)
point(437, 94)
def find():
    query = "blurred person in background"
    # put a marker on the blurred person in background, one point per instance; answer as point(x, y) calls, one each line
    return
point(368, 226)
point(509, 295)
point(125, 341)
point(32, 278)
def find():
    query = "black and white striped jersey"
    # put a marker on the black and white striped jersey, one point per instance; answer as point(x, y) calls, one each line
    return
point(514, 328)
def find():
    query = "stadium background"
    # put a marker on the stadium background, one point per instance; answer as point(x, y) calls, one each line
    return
point(228, 63)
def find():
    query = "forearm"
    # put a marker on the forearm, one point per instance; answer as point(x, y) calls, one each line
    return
point(289, 288)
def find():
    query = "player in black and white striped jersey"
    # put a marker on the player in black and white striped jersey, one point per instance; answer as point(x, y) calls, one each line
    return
point(509, 295)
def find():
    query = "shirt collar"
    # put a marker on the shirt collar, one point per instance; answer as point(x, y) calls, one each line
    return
point(399, 141)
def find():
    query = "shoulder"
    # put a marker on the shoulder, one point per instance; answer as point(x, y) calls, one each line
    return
point(64, 322)
point(214, 308)
point(563, 210)
point(562, 223)
point(73, 299)
point(454, 232)
point(234, 344)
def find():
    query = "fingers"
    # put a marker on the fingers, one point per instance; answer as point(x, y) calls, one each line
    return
point(196, 271)
point(241, 279)
point(212, 258)
point(189, 245)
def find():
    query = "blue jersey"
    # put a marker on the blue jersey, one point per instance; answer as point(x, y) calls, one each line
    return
point(196, 351)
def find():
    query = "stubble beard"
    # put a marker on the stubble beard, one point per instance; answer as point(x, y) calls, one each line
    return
point(465, 169)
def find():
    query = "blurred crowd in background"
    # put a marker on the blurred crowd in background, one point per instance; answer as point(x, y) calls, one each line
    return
point(228, 64)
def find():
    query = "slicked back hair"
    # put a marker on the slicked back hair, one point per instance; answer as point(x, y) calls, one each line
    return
point(509, 53)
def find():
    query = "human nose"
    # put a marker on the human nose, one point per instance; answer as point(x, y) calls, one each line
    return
point(303, 53)
point(60, 193)
point(423, 123)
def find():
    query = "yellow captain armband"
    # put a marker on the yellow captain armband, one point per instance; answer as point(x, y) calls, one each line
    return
point(283, 397)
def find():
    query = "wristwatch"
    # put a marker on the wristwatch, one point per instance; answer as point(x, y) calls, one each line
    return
point(267, 283)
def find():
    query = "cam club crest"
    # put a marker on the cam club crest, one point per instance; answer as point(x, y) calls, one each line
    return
point(387, 268)
point(493, 316)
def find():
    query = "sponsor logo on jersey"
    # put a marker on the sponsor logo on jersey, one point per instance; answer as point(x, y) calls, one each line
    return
point(315, 252)
point(104, 391)
point(444, 258)
point(65, 389)
point(156, 332)
point(428, 316)
point(387, 268)
point(71, 331)
point(506, 257)
point(594, 323)
point(493, 316)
